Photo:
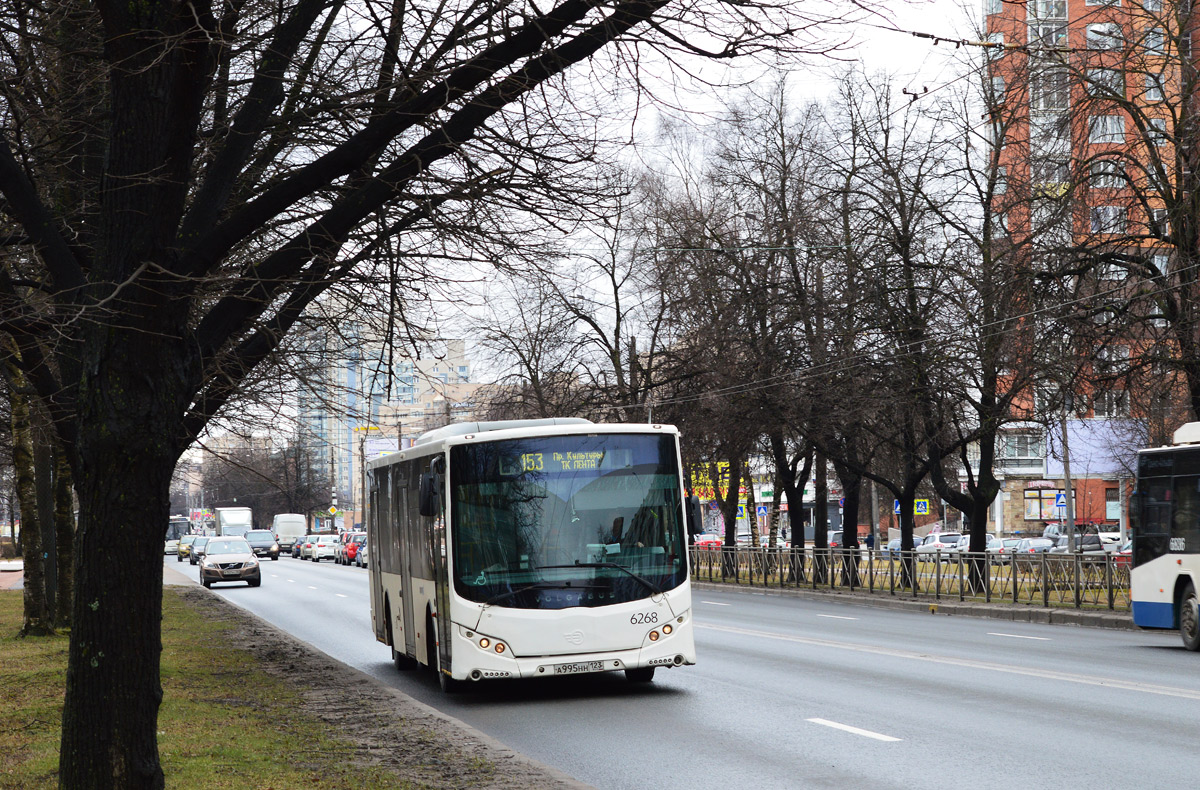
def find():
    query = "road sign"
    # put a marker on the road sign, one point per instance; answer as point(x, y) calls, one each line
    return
point(896, 506)
point(761, 510)
point(921, 507)
point(333, 510)
point(1060, 499)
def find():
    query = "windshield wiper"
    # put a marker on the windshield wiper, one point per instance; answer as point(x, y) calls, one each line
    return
point(539, 586)
point(649, 584)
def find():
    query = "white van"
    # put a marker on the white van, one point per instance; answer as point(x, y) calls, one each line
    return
point(288, 527)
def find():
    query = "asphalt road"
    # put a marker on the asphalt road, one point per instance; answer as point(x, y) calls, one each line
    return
point(796, 693)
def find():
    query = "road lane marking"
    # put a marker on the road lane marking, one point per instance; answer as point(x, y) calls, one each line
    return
point(1019, 636)
point(928, 658)
point(311, 587)
point(714, 603)
point(339, 595)
point(291, 581)
point(855, 730)
point(836, 617)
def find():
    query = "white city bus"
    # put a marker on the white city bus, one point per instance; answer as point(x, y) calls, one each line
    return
point(532, 548)
point(1165, 516)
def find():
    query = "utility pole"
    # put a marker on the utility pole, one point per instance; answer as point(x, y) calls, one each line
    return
point(333, 486)
point(1068, 486)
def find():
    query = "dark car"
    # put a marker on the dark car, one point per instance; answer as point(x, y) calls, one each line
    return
point(263, 543)
point(197, 549)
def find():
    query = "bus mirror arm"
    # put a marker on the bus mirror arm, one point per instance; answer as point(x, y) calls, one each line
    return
point(695, 515)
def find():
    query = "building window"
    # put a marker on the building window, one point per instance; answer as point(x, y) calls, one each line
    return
point(1153, 6)
point(1051, 171)
point(1105, 82)
point(1041, 504)
point(998, 89)
point(1102, 2)
point(993, 7)
point(1107, 174)
point(1021, 451)
point(1047, 9)
point(1156, 131)
point(1161, 262)
point(1112, 504)
point(1154, 88)
point(1108, 219)
point(1154, 42)
point(1110, 271)
point(1106, 129)
point(1048, 35)
point(1001, 180)
point(1105, 35)
point(1110, 403)
point(1112, 361)
point(1051, 90)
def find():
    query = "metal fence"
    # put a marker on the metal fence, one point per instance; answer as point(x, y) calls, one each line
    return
point(1080, 581)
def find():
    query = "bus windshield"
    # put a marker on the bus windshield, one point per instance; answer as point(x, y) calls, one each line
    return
point(556, 522)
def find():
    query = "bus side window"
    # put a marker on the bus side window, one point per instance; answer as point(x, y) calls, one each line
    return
point(1185, 524)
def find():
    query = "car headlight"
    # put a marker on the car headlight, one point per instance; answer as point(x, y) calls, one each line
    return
point(207, 563)
point(274, 547)
point(253, 561)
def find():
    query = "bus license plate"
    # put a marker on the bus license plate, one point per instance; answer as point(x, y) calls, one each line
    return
point(578, 667)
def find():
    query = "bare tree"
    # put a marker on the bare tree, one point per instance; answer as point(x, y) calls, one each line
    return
point(209, 172)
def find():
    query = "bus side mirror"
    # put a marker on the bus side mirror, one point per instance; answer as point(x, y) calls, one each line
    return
point(429, 504)
point(695, 515)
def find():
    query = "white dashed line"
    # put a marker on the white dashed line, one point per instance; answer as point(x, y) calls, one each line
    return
point(854, 730)
point(836, 617)
point(311, 587)
point(714, 603)
point(339, 595)
point(1019, 636)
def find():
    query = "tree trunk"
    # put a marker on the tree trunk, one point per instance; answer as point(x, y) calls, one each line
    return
point(38, 620)
point(126, 454)
point(64, 525)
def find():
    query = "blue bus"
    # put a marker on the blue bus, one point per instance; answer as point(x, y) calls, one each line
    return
point(1165, 516)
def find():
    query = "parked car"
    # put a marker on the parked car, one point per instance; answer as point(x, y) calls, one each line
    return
point(360, 556)
point(197, 549)
point(305, 545)
point(964, 543)
point(708, 540)
point(322, 547)
point(764, 541)
point(352, 548)
point(185, 547)
point(1001, 549)
point(1033, 546)
point(1124, 555)
point(1092, 546)
point(263, 543)
point(937, 546)
point(298, 546)
point(342, 554)
point(229, 559)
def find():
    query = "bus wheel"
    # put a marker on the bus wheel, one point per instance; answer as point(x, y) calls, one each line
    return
point(449, 685)
point(640, 675)
point(1189, 618)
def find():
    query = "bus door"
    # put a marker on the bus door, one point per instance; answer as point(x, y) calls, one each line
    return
point(407, 520)
point(374, 575)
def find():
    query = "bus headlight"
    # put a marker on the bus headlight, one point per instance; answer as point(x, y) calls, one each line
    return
point(667, 629)
point(654, 636)
point(485, 643)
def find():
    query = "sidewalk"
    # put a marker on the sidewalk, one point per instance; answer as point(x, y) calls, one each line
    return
point(1021, 613)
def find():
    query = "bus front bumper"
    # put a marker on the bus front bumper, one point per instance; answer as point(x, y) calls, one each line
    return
point(475, 657)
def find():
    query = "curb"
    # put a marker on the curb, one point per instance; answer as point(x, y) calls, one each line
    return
point(1122, 621)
